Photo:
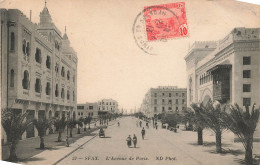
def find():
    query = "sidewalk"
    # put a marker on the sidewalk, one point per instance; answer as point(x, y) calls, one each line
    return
point(28, 150)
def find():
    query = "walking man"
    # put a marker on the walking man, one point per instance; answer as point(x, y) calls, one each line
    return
point(143, 132)
point(135, 141)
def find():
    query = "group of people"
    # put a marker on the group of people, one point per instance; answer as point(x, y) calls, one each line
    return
point(129, 139)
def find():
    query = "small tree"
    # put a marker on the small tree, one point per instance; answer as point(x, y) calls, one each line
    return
point(80, 124)
point(42, 124)
point(198, 123)
point(243, 124)
point(14, 124)
point(60, 125)
point(71, 124)
point(212, 116)
point(87, 120)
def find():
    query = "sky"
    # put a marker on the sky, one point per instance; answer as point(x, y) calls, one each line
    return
point(110, 64)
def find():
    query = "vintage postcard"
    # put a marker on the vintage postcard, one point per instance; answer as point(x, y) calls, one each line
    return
point(130, 82)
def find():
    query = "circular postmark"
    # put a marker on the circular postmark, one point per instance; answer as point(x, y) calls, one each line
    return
point(155, 24)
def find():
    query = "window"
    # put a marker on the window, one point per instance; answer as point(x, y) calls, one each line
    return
point(48, 88)
point(38, 86)
point(170, 95)
point(81, 113)
point(246, 73)
point(68, 75)
point(57, 68)
point(12, 78)
point(74, 78)
point(155, 109)
point(170, 102)
point(169, 108)
point(155, 101)
point(28, 49)
point(177, 94)
point(68, 94)
point(57, 91)
point(91, 107)
point(155, 94)
point(183, 94)
point(162, 94)
point(63, 71)
point(177, 102)
point(62, 93)
point(163, 101)
point(163, 109)
point(247, 60)
point(183, 108)
point(246, 87)
point(246, 101)
point(25, 81)
point(38, 57)
point(78, 113)
point(177, 109)
point(183, 101)
point(80, 107)
point(48, 62)
point(57, 45)
point(24, 47)
point(73, 96)
point(12, 41)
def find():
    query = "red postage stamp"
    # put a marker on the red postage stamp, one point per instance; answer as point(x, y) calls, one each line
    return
point(165, 21)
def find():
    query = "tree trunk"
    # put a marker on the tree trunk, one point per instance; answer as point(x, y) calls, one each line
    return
point(89, 125)
point(42, 142)
point(85, 129)
point(249, 147)
point(78, 130)
point(218, 142)
point(200, 136)
point(70, 132)
point(59, 137)
point(13, 156)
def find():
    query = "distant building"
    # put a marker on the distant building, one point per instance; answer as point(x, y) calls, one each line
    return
point(39, 68)
point(107, 106)
point(164, 99)
point(227, 70)
point(87, 109)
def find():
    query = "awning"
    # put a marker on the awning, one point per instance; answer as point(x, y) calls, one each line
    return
point(219, 67)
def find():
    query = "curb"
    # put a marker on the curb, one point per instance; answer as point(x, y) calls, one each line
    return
point(77, 148)
point(74, 150)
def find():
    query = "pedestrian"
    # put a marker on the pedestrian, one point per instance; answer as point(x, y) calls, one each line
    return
point(140, 123)
point(156, 126)
point(129, 141)
point(136, 123)
point(143, 132)
point(147, 125)
point(135, 141)
point(118, 124)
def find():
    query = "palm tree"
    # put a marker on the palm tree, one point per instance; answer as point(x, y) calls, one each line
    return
point(243, 124)
point(71, 124)
point(212, 116)
point(14, 124)
point(187, 118)
point(42, 124)
point(89, 121)
point(60, 125)
point(80, 124)
point(199, 125)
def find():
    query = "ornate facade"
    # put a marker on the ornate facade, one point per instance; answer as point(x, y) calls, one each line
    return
point(39, 68)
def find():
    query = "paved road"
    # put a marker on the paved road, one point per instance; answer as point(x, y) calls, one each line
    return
point(159, 147)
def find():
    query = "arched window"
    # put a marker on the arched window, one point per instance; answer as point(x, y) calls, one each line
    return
point(38, 86)
point(48, 62)
point(12, 78)
point(28, 49)
point(63, 71)
point(68, 94)
point(57, 90)
point(38, 57)
point(25, 81)
point(62, 93)
point(48, 88)
point(68, 75)
point(24, 47)
point(12, 41)
point(73, 96)
point(50, 37)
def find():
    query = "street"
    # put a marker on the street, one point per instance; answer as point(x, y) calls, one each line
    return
point(159, 147)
